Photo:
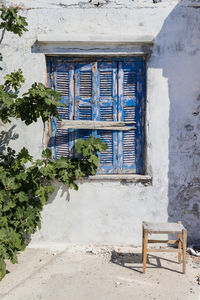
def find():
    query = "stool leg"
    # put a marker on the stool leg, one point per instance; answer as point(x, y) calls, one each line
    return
point(142, 240)
point(179, 245)
point(145, 250)
point(179, 248)
point(184, 235)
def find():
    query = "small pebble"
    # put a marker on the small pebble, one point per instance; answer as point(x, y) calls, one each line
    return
point(117, 284)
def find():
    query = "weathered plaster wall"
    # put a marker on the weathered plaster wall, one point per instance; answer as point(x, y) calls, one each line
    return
point(112, 212)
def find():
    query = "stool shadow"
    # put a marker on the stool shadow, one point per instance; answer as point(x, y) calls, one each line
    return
point(133, 261)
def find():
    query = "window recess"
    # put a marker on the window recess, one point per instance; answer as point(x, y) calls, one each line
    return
point(105, 98)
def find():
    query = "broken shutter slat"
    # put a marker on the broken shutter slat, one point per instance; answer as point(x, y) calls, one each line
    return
point(127, 113)
point(103, 125)
point(63, 83)
point(107, 112)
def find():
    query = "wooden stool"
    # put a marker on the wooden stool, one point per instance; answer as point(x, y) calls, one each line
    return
point(164, 228)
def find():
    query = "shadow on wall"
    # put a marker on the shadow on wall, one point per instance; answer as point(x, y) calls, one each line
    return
point(61, 190)
point(179, 60)
point(6, 137)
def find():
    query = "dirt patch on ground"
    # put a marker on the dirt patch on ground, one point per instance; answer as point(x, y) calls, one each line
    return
point(100, 273)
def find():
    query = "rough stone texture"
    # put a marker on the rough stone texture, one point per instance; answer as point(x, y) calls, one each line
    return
point(112, 212)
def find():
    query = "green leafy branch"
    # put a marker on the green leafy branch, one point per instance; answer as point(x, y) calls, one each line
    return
point(25, 184)
point(39, 101)
point(12, 21)
point(25, 190)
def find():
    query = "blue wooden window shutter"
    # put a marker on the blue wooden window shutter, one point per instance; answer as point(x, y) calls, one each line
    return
point(129, 110)
point(107, 111)
point(61, 78)
point(112, 90)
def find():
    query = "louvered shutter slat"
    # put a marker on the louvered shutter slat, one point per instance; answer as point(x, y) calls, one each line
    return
point(106, 158)
point(129, 138)
point(129, 84)
point(62, 80)
point(106, 83)
point(106, 113)
point(85, 112)
point(85, 84)
point(62, 135)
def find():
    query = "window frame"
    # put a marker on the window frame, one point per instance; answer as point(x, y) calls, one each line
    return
point(132, 177)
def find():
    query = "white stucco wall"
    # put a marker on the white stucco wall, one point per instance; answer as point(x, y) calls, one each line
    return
point(112, 212)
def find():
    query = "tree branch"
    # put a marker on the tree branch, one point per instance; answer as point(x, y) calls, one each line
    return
point(2, 35)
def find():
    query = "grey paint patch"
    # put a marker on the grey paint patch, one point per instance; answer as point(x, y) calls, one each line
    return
point(189, 127)
point(195, 209)
point(185, 206)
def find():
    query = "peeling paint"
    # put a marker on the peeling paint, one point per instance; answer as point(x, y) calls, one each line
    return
point(185, 206)
point(98, 2)
point(189, 127)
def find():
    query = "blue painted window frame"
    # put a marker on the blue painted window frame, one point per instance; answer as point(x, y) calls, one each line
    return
point(135, 67)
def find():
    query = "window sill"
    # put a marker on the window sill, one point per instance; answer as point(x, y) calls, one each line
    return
point(123, 178)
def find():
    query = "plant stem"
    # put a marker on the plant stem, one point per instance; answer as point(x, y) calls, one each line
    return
point(2, 35)
point(43, 135)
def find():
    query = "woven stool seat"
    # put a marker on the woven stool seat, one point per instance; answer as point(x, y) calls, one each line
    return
point(163, 227)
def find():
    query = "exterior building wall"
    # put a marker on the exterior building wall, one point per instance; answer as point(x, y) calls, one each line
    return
point(111, 212)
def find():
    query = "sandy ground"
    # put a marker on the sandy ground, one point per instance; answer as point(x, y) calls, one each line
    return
point(99, 274)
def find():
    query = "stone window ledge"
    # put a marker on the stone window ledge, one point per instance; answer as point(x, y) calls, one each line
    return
point(93, 45)
point(123, 178)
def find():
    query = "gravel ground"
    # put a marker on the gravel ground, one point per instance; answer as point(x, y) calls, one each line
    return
point(99, 273)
